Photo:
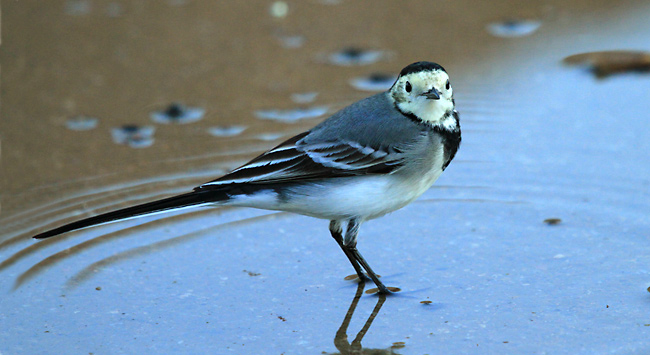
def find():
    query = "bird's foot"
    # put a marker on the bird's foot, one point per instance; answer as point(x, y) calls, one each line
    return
point(359, 277)
point(380, 289)
point(383, 290)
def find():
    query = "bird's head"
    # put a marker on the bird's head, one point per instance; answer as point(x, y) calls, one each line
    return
point(423, 90)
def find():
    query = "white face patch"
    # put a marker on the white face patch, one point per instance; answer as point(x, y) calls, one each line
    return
point(409, 93)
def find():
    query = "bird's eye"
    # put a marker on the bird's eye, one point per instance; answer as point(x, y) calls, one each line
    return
point(447, 86)
point(408, 87)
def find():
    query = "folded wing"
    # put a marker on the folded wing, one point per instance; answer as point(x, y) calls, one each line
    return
point(295, 160)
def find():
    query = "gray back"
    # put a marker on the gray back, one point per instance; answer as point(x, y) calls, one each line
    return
point(373, 122)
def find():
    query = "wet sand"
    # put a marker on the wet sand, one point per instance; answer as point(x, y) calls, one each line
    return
point(478, 265)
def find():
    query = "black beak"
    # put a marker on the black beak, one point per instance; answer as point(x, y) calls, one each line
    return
point(432, 94)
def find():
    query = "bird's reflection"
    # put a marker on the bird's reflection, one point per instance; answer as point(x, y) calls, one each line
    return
point(343, 345)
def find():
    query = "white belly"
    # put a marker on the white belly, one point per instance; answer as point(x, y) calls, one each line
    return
point(365, 197)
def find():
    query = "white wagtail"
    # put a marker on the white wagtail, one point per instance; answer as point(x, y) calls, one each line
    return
point(368, 159)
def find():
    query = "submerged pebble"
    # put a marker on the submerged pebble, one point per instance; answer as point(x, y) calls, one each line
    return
point(78, 7)
point(552, 221)
point(178, 113)
point(177, 2)
point(81, 123)
point(269, 136)
point(226, 131)
point(355, 56)
point(304, 98)
point(114, 9)
point(513, 28)
point(606, 63)
point(291, 41)
point(134, 136)
point(291, 115)
point(374, 82)
point(279, 9)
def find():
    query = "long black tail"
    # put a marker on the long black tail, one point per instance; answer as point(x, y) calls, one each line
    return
point(184, 200)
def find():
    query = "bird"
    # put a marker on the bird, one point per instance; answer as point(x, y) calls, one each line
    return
point(370, 158)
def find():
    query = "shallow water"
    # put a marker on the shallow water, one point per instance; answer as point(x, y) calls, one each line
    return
point(540, 140)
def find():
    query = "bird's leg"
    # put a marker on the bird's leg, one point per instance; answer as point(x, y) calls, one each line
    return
point(337, 234)
point(350, 244)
